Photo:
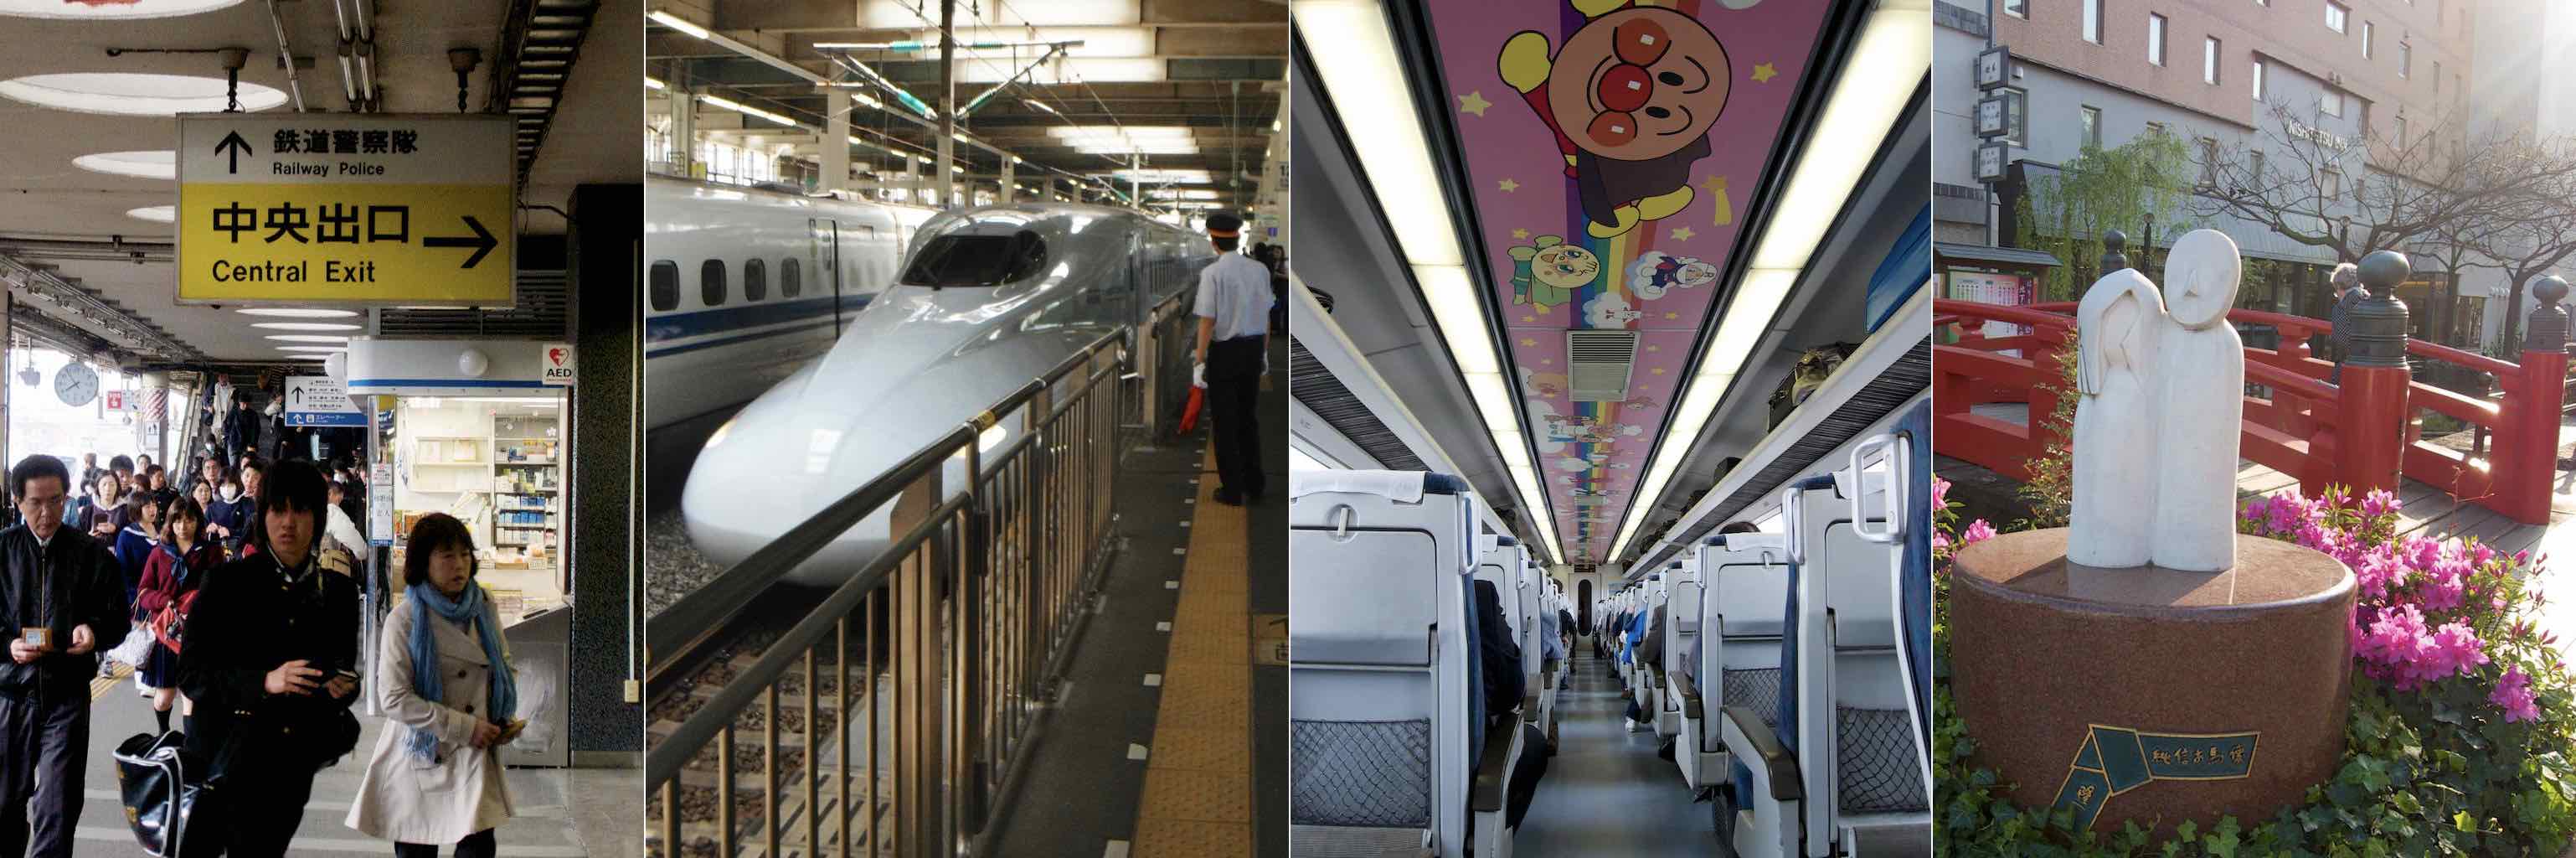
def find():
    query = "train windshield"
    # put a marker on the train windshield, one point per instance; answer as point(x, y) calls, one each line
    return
point(969, 259)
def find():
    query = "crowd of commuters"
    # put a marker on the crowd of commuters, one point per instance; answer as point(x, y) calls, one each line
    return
point(234, 596)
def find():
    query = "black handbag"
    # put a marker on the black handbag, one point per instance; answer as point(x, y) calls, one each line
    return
point(162, 789)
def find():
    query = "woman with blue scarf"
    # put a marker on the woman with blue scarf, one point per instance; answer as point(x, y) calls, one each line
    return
point(446, 686)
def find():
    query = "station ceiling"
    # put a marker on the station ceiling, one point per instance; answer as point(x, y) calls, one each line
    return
point(74, 220)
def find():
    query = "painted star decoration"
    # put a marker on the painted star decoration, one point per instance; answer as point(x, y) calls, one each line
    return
point(1521, 234)
point(1682, 233)
point(1764, 72)
point(1529, 318)
point(1528, 342)
point(1508, 185)
point(1473, 102)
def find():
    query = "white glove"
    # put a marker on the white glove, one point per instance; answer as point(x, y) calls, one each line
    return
point(1198, 375)
point(1265, 361)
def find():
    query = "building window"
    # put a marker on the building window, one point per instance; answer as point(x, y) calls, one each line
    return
point(2092, 127)
point(2209, 61)
point(2156, 39)
point(2017, 8)
point(2093, 21)
point(2208, 162)
point(2017, 115)
point(2367, 34)
point(2330, 103)
point(2335, 15)
point(2258, 80)
point(2405, 60)
point(2330, 183)
point(2254, 168)
point(2401, 132)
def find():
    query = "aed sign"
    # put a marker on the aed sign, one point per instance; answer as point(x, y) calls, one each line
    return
point(300, 208)
point(556, 360)
point(319, 400)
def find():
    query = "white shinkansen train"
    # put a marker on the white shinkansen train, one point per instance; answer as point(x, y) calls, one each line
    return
point(745, 286)
point(989, 298)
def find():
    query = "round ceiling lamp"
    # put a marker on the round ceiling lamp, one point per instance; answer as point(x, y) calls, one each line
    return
point(134, 93)
point(296, 312)
point(143, 164)
point(110, 10)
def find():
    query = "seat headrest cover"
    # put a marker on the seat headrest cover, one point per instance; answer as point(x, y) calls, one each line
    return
point(1443, 484)
point(1743, 541)
point(1405, 486)
point(1507, 541)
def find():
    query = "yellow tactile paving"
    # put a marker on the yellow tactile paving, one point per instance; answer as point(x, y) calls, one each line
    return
point(1198, 780)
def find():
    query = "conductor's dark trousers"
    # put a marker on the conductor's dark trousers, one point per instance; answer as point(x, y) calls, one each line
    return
point(1233, 405)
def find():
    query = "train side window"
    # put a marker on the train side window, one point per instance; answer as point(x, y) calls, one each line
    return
point(755, 279)
point(788, 286)
point(711, 283)
point(665, 285)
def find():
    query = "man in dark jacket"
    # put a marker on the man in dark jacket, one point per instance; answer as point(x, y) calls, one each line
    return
point(269, 667)
point(62, 601)
point(241, 427)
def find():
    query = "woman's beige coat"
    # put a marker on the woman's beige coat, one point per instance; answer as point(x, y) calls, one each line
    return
point(459, 790)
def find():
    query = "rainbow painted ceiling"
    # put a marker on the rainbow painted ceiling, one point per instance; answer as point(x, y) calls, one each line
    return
point(1611, 146)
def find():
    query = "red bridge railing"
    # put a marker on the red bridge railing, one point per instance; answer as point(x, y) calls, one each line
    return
point(2361, 433)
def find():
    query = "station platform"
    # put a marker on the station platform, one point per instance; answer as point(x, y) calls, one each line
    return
point(1170, 734)
point(563, 813)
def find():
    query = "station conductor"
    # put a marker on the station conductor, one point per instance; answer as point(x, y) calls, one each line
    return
point(1233, 307)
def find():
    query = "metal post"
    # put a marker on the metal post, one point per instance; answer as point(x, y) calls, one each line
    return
point(2372, 403)
point(836, 140)
point(947, 99)
point(1010, 180)
point(684, 120)
point(917, 705)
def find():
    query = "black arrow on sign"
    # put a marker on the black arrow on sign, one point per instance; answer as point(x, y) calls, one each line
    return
point(482, 242)
point(239, 147)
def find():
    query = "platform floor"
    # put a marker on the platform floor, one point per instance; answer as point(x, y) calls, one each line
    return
point(563, 813)
point(1605, 792)
point(1170, 736)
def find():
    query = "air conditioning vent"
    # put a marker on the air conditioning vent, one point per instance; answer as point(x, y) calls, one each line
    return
point(1597, 364)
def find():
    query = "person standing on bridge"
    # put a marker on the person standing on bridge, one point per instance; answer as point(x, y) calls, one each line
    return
point(1233, 307)
point(61, 602)
point(2348, 291)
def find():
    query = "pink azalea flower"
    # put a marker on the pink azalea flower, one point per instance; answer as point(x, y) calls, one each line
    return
point(1978, 531)
point(2513, 694)
point(1940, 493)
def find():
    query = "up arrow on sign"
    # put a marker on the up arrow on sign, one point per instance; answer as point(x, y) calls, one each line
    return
point(237, 147)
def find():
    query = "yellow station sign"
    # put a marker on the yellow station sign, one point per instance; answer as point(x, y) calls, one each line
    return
point(279, 208)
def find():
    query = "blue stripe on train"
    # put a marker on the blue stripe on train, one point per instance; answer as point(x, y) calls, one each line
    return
point(727, 341)
point(701, 322)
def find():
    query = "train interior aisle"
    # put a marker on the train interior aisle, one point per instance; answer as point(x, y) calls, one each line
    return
point(1602, 400)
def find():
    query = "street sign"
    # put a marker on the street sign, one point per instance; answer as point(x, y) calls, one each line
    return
point(340, 207)
point(115, 400)
point(380, 504)
point(316, 400)
point(1991, 161)
point(1991, 121)
point(1994, 67)
point(557, 363)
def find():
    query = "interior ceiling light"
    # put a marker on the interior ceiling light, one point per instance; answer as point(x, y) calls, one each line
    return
point(296, 312)
point(308, 338)
point(1865, 105)
point(142, 164)
point(672, 21)
point(1356, 67)
point(313, 348)
point(155, 214)
point(133, 93)
point(121, 10)
point(306, 326)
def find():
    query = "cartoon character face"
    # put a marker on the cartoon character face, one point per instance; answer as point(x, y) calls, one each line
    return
point(1638, 83)
point(1610, 311)
point(1564, 266)
point(1696, 273)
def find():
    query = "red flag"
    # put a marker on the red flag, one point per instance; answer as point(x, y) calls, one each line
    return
point(1190, 412)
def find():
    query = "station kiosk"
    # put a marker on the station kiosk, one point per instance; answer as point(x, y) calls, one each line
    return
point(472, 428)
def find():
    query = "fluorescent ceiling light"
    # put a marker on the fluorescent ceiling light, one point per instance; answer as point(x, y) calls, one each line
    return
point(155, 214)
point(296, 312)
point(655, 83)
point(745, 109)
point(1039, 105)
point(1146, 148)
point(1875, 86)
point(127, 10)
point(1866, 104)
point(1156, 176)
point(308, 338)
point(673, 21)
point(1140, 132)
point(306, 326)
point(905, 14)
point(1460, 310)
point(1069, 70)
point(142, 164)
point(1181, 193)
point(134, 94)
point(1355, 56)
point(313, 348)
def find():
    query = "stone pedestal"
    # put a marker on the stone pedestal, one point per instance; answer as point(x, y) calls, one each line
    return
point(2149, 694)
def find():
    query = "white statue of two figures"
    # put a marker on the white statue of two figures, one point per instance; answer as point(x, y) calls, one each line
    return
point(2162, 386)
